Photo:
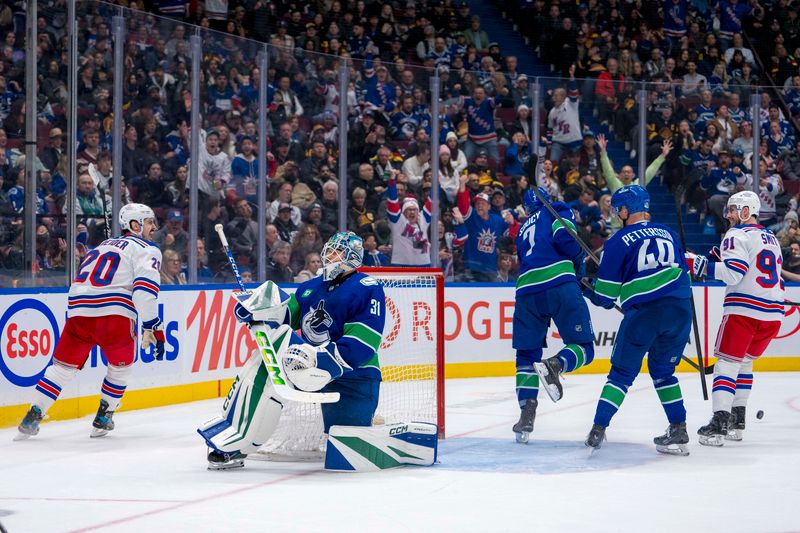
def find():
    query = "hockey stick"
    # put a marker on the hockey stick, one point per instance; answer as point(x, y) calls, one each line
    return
point(682, 234)
point(265, 347)
point(594, 258)
point(95, 175)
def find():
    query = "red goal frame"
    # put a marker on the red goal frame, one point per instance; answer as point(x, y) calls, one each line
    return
point(439, 279)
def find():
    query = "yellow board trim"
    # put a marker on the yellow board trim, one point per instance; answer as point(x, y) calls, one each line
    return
point(70, 408)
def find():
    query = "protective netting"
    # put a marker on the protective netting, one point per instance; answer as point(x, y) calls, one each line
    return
point(408, 360)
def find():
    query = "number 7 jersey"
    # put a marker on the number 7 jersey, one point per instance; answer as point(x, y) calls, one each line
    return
point(120, 277)
point(751, 269)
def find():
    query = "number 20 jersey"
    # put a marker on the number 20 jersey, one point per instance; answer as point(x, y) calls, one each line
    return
point(119, 277)
point(751, 269)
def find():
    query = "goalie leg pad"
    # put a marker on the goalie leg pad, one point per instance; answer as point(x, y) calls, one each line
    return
point(250, 413)
point(369, 449)
point(358, 400)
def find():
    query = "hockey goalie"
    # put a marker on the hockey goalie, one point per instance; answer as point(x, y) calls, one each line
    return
point(340, 315)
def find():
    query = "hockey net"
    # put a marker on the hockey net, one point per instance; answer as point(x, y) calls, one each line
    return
point(412, 366)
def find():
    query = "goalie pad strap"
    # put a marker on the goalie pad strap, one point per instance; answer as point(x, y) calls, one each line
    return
point(249, 415)
point(369, 449)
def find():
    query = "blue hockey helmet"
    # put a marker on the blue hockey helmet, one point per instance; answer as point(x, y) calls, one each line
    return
point(531, 201)
point(343, 253)
point(633, 197)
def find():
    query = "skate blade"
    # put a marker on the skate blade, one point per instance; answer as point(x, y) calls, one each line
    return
point(238, 463)
point(593, 449)
point(712, 440)
point(673, 449)
point(734, 435)
point(21, 436)
point(550, 389)
point(522, 437)
point(97, 433)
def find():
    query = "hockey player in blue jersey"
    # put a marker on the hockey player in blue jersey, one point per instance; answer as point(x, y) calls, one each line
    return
point(341, 317)
point(644, 266)
point(547, 289)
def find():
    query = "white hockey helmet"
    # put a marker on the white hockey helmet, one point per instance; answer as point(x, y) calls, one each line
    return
point(344, 252)
point(138, 212)
point(743, 199)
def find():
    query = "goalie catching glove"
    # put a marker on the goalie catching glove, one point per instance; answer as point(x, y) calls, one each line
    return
point(152, 335)
point(268, 303)
point(310, 367)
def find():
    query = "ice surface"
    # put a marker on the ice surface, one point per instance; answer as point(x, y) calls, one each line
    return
point(150, 473)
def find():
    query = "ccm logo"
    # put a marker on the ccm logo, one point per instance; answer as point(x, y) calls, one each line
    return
point(398, 430)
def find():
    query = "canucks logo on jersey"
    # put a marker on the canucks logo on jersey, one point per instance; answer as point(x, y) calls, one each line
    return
point(316, 323)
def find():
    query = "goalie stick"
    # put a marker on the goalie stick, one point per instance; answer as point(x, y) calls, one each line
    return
point(267, 349)
point(699, 367)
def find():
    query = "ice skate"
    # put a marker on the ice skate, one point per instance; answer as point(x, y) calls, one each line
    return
point(549, 372)
point(596, 437)
point(30, 424)
point(527, 415)
point(674, 441)
point(103, 422)
point(225, 461)
point(736, 424)
point(713, 433)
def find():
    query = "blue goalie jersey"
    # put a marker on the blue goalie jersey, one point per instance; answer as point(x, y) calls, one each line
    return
point(349, 313)
point(641, 263)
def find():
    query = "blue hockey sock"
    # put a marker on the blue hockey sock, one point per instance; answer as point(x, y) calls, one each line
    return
point(574, 356)
point(669, 392)
point(610, 401)
point(527, 384)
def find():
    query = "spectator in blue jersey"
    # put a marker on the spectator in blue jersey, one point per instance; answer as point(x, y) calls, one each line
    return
point(372, 256)
point(719, 184)
point(518, 155)
point(644, 266)
point(478, 231)
point(731, 15)
point(480, 124)
point(405, 120)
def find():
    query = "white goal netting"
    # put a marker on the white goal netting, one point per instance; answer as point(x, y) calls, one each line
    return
point(409, 365)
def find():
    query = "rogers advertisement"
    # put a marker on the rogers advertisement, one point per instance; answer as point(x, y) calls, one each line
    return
point(205, 342)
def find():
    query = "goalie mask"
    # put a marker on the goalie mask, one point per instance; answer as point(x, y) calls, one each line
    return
point(343, 253)
point(134, 212)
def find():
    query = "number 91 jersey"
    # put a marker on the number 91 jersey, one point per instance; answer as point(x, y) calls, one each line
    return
point(119, 277)
point(641, 263)
point(751, 269)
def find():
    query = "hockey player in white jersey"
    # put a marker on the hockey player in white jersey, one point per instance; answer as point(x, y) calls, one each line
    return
point(116, 282)
point(753, 310)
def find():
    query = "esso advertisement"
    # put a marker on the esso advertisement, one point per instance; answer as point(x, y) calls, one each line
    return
point(28, 335)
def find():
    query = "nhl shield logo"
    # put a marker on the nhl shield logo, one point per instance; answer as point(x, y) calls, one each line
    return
point(316, 323)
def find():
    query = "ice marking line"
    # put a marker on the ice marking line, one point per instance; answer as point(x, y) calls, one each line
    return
point(500, 424)
point(186, 503)
point(793, 403)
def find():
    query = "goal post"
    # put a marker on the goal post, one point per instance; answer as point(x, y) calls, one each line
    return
point(411, 357)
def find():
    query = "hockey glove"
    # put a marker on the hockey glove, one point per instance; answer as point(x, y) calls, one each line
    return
point(579, 262)
point(590, 294)
point(699, 266)
point(715, 255)
point(152, 335)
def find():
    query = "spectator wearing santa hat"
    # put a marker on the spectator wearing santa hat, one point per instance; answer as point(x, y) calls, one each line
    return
point(410, 244)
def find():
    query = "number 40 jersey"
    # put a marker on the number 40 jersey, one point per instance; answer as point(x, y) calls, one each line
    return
point(641, 263)
point(751, 269)
point(120, 277)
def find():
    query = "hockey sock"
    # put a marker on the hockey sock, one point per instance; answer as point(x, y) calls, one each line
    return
point(744, 384)
point(50, 385)
point(724, 388)
point(114, 385)
point(574, 356)
point(527, 384)
point(610, 401)
point(669, 392)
